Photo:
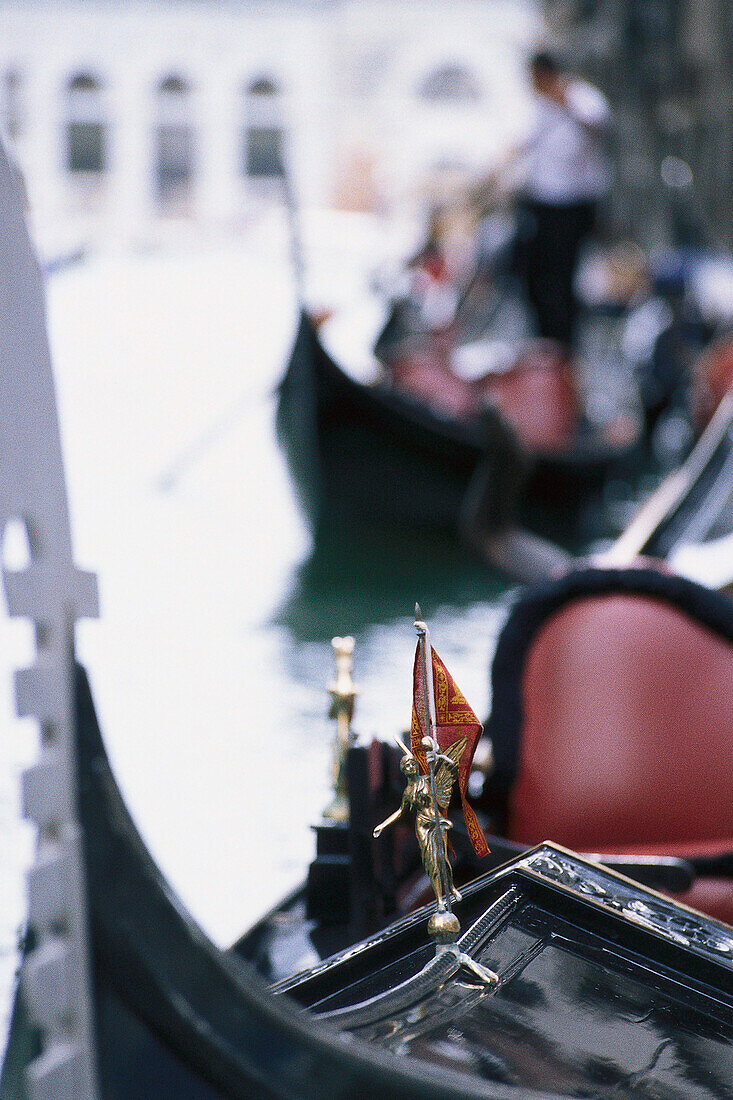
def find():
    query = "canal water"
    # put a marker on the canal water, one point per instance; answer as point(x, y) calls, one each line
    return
point(211, 658)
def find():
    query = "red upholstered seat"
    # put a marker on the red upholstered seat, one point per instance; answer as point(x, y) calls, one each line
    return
point(625, 738)
point(537, 397)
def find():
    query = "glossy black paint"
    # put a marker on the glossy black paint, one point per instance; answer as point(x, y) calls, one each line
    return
point(357, 886)
point(605, 990)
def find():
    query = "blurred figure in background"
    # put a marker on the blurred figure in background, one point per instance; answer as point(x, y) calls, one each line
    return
point(567, 173)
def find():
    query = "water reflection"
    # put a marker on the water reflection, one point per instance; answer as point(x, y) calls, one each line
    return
point(360, 581)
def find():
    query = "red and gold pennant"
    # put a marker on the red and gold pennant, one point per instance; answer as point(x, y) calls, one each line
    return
point(453, 719)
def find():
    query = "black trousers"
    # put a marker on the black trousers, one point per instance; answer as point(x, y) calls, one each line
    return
point(552, 236)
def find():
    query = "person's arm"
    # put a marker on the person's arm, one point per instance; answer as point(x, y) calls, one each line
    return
point(587, 106)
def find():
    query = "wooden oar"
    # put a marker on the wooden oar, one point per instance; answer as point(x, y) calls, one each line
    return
point(674, 490)
point(524, 556)
point(488, 527)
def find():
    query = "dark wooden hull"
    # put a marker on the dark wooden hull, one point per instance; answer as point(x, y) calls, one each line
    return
point(369, 455)
point(177, 1018)
point(599, 992)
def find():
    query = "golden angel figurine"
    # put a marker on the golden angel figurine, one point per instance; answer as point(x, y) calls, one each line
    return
point(431, 828)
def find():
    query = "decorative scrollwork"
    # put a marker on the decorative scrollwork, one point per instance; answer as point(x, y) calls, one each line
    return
point(634, 903)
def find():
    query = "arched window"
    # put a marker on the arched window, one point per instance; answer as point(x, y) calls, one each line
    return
point(86, 125)
point(450, 84)
point(12, 105)
point(263, 139)
point(174, 141)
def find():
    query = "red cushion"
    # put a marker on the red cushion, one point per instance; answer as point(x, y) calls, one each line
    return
point(713, 896)
point(537, 397)
point(627, 737)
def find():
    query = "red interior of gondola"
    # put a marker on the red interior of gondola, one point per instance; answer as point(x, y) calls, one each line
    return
point(626, 741)
point(537, 395)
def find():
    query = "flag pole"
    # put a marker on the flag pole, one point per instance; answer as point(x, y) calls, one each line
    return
point(430, 743)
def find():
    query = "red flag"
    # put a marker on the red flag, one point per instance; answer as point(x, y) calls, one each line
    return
point(453, 719)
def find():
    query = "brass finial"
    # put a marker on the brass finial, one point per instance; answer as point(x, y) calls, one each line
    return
point(343, 692)
point(431, 828)
point(427, 795)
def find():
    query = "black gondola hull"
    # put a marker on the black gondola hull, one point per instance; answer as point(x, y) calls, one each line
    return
point(369, 455)
point(177, 1018)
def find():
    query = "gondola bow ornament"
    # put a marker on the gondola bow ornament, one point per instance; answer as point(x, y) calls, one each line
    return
point(451, 719)
point(444, 735)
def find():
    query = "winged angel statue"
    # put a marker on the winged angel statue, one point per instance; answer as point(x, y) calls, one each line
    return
point(431, 827)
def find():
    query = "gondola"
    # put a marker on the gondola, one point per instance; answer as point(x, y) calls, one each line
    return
point(123, 997)
point(366, 456)
point(686, 522)
point(617, 666)
point(602, 988)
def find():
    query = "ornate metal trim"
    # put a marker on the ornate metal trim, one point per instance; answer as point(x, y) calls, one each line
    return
point(676, 923)
point(436, 972)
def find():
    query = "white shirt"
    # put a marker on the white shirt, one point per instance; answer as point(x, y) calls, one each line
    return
point(567, 159)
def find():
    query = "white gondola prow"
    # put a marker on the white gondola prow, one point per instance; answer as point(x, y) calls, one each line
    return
point(48, 589)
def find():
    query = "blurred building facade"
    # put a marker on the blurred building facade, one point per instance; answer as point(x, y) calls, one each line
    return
point(126, 115)
point(667, 68)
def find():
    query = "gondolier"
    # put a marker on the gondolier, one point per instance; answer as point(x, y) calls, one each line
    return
point(567, 172)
